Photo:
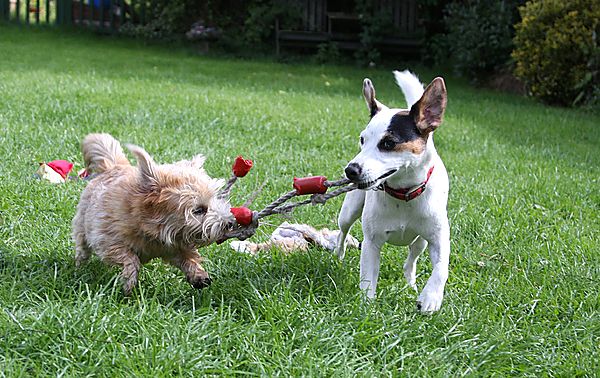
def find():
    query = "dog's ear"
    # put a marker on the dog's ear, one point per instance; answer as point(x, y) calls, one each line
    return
point(216, 184)
point(198, 161)
point(428, 112)
point(369, 94)
point(146, 164)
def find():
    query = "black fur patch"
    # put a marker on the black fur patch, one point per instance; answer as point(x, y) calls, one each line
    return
point(402, 129)
point(374, 108)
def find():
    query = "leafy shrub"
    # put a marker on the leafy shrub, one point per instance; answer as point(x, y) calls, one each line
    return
point(479, 37)
point(328, 53)
point(556, 50)
point(168, 19)
point(242, 23)
point(259, 25)
point(431, 13)
point(374, 23)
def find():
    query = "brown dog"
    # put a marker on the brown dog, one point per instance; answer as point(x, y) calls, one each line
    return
point(129, 215)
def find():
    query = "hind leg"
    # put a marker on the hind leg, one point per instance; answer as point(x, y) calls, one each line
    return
point(82, 249)
point(350, 212)
point(410, 265)
point(130, 272)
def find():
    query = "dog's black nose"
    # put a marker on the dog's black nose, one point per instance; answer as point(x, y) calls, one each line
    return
point(353, 171)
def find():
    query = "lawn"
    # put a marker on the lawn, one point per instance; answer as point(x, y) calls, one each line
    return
point(522, 296)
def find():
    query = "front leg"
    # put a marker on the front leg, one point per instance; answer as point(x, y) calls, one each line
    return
point(369, 264)
point(128, 261)
point(430, 299)
point(350, 212)
point(189, 262)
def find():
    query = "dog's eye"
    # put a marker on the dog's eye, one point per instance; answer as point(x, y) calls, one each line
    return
point(362, 141)
point(200, 210)
point(387, 144)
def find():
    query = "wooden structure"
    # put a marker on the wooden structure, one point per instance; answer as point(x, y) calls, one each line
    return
point(102, 15)
point(325, 21)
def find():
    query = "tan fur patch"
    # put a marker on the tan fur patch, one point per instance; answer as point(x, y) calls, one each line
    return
point(416, 146)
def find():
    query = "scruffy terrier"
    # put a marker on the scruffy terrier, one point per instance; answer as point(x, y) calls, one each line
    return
point(129, 215)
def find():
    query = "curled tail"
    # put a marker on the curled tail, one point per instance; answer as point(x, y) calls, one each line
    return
point(101, 152)
point(411, 86)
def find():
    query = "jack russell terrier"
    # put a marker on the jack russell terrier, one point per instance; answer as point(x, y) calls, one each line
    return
point(404, 187)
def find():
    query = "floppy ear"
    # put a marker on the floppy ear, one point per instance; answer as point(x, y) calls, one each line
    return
point(369, 94)
point(428, 112)
point(146, 164)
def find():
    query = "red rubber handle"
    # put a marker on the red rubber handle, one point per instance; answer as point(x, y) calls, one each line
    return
point(243, 215)
point(242, 166)
point(310, 185)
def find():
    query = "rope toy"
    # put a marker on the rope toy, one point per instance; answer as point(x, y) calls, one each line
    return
point(248, 220)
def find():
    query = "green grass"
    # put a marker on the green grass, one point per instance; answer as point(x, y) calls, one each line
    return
point(522, 297)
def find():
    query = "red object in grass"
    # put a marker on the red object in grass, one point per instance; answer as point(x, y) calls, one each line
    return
point(62, 167)
point(310, 185)
point(243, 215)
point(242, 166)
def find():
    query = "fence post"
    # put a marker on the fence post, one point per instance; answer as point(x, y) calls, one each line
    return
point(64, 12)
point(101, 16)
point(68, 12)
point(59, 12)
point(4, 9)
point(122, 13)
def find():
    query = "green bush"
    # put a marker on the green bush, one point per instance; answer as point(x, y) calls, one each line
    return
point(479, 35)
point(328, 52)
point(242, 23)
point(168, 19)
point(556, 50)
point(374, 23)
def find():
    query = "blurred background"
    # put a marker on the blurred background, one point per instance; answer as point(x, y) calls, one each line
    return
point(547, 49)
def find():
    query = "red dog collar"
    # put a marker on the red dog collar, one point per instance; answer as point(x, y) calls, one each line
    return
point(408, 193)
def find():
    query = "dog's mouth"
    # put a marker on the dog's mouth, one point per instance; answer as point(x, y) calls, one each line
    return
point(365, 185)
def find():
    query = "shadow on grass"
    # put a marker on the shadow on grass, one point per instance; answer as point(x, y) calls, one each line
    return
point(237, 280)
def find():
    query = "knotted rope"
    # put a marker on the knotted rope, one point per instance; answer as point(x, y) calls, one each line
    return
point(244, 231)
point(247, 220)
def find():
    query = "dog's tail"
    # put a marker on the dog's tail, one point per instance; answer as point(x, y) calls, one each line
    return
point(411, 86)
point(101, 152)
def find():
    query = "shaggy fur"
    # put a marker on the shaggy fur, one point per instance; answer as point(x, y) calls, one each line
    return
point(129, 215)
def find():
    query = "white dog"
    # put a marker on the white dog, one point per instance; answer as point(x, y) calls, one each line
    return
point(404, 187)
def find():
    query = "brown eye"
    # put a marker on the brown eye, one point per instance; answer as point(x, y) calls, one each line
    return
point(200, 210)
point(387, 144)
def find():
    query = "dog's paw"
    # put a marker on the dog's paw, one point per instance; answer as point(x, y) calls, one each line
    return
point(413, 283)
point(201, 282)
point(340, 251)
point(429, 302)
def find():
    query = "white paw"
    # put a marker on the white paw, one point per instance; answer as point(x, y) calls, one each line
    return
point(429, 301)
point(367, 289)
